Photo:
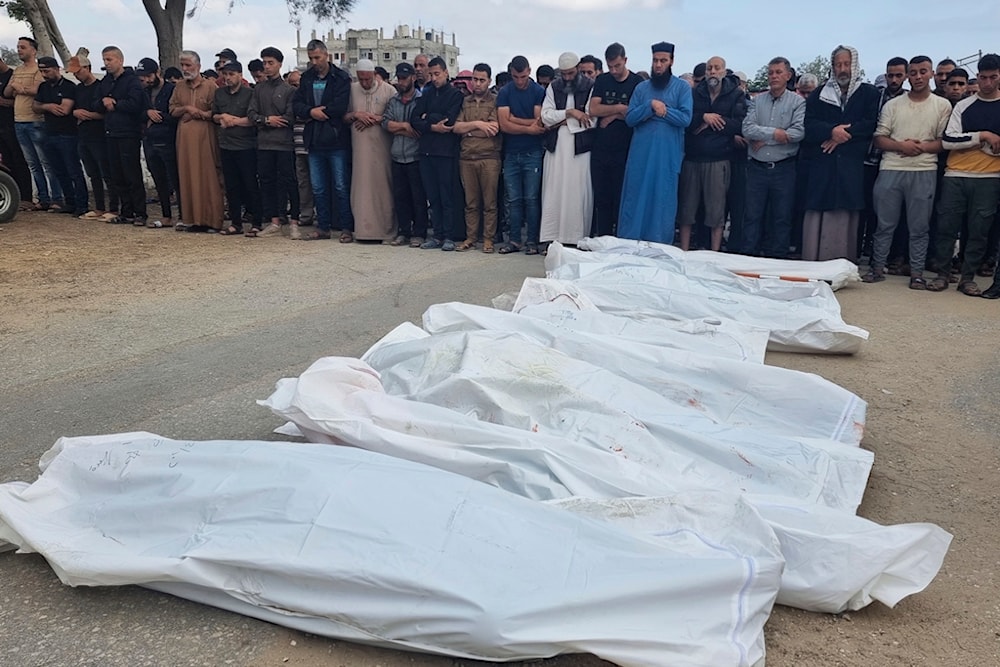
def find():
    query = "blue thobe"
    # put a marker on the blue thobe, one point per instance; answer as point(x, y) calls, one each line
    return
point(649, 196)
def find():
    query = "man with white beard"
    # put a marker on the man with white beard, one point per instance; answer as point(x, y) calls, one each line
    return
point(567, 197)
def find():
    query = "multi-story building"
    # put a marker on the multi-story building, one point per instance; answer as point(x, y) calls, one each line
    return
point(348, 48)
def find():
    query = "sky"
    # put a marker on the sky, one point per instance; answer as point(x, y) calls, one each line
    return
point(747, 35)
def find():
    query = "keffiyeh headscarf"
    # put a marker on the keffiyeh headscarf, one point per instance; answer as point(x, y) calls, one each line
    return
point(831, 93)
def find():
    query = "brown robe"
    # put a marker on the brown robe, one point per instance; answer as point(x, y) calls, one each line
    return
point(198, 155)
point(371, 177)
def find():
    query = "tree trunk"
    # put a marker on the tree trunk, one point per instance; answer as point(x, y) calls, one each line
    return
point(168, 23)
point(57, 42)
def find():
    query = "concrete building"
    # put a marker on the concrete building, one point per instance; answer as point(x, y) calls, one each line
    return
point(348, 48)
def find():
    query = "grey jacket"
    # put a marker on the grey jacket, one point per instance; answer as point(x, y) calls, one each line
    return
point(273, 97)
point(404, 149)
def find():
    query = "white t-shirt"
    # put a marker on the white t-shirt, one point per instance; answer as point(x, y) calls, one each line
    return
point(902, 119)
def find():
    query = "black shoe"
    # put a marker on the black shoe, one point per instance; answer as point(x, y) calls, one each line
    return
point(993, 291)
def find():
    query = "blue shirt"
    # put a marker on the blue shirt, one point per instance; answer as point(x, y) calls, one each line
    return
point(522, 104)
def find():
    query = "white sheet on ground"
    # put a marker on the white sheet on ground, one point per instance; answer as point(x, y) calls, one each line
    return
point(341, 401)
point(767, 398)
point(801, 317)
point(837, 272)
point(356, 545)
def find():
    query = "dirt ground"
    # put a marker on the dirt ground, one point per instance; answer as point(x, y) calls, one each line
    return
point(76, 299)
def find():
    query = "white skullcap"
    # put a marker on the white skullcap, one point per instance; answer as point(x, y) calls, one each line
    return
point(364, 65)
point(568, 60)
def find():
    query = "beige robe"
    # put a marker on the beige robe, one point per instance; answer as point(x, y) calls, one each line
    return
point(371, 172)
point(198, 156)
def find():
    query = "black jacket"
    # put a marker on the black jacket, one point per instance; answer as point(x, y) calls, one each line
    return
point(164, 132)
point(332, 134)
point(433, 106)
point(129, 115)
point(714, 145)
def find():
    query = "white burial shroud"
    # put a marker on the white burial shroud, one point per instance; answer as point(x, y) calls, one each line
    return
point(356, 545)
point(801, 317)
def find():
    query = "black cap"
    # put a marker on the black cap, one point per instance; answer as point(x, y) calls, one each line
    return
point(233, 66)
point(46, 62)
point(228, 54)
point(256, 65)
point(147, 66)
point(404, 70)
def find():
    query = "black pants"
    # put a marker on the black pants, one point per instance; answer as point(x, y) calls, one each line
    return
point(126, 174)
point(94, 155)
point(239, 170)
point(607, 175)
point(410, 200)
point(440, 179)
point(278, 187)
point(161, 160)
point(13, 158)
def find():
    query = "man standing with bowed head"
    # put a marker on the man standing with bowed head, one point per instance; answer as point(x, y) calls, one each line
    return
point(660, 111)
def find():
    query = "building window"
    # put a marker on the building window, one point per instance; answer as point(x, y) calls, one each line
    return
point(452, 62)
point(403, 55)
point(386, 55)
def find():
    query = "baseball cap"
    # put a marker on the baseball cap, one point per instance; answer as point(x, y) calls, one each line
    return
point(228, 54)
point(47, 62)
point(233, 66)
point(147, 66)
point(76, 63)
point(404, 70)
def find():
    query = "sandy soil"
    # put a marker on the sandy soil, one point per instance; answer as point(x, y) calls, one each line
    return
point(931, 375)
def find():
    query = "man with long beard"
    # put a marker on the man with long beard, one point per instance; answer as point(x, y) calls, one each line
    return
point(567, 197)
point(660, 111)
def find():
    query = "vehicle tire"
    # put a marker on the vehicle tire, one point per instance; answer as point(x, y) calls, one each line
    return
point(10, 197)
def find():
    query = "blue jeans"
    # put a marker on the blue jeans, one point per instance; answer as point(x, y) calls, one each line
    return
point(64, 157)
point(31, 138)
point(522, 180)
point(769, 190)
point(328, 167)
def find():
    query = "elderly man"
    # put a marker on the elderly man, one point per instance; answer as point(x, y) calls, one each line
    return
point(609, 103)
point(55, 99)
point(479, 159)
point(123, 102)
point(567, 197)
point(197, 149)
point(709, 147)
point(840, 123)
point(421, 62)
point(659, 111)
point(321, 100)
point(774, 126)
point(806, 84)
point(970, 188)
point(371, 186)
point(909, 135)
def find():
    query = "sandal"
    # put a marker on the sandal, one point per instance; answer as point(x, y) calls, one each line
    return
point(969, 288)
point(252, 232)
point(918, 283)
point(873, 276)
point(231, 231)
point(509, 249)
point(532, 250)
point(466, 245)
point(986, 270)
point(938, 284)
point(318, 235)
point(487, 247)
point(346, 237)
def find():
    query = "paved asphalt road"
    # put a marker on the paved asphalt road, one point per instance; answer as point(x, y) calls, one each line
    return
point(189, 363)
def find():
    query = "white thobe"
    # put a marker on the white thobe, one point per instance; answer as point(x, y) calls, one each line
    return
point(567, 196)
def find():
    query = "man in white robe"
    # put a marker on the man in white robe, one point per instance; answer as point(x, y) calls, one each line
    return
point(567, 197)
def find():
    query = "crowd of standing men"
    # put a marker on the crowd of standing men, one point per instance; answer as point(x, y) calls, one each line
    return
point(830, 168)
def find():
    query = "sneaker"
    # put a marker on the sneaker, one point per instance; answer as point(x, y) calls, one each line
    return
point(270, 230)
point(433, 244)
point(448, 246)
point(294, 233)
